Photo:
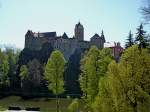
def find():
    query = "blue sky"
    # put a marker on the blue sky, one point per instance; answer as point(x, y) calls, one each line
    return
point(115, 17)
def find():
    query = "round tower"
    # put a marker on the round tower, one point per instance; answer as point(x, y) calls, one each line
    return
point(79, 32)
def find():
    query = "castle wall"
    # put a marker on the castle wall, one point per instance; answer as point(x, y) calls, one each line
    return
point(83, 44)
point(99, 43)
point(66, 46)
point(33, 43)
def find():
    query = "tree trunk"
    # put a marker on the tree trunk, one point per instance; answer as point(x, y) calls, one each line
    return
point(57, 103)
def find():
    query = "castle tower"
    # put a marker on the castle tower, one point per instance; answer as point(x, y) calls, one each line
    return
point(79, 32)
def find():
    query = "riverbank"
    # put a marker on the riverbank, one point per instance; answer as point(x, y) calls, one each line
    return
point(45, 104)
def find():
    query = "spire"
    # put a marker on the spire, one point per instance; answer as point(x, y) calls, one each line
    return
point(79, 24)
point(96, 36)
point(102, 35)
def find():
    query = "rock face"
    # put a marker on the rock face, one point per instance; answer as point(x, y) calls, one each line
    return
point(35, 41)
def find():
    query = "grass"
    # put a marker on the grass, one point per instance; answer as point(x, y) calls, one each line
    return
point(46, 105)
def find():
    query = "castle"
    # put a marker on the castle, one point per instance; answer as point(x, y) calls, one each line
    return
point(35, 41)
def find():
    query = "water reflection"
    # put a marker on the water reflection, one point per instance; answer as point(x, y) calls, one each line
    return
point(19, 111)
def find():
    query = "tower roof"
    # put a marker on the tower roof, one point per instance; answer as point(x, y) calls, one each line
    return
point(64, 36)
point(79, 24)
point(96, 36)
point(102, 36)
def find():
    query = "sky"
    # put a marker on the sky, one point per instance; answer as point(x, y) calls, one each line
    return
point(114, 17)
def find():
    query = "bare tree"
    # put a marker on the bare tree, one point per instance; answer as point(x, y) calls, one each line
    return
point(146, 11)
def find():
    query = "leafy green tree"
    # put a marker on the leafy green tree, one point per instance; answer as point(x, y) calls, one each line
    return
point(89, 76)
point(4, 68)
point(126, 87)
point(141, 37)
point(74, 106)
point(103, 101)
point(54, 71)
point(117, 89)
point(135, 73)
point(13, 55)
point(130, 40)
point(104, 61)
point(93, 67)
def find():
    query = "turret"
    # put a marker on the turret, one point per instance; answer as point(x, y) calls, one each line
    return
point(28, 37)
point(79, 32)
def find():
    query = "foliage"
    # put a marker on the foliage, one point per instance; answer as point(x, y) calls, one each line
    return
point(74, 106)
point(24, 72)
point(4, 68)
point(89, 76)
point(126, 86)
point(54, 71)
point(34, 68)
point(71, 75)
point(103, 101)
point(129, 41)
point(93, 67)
point(13, 55)
point(141, 37)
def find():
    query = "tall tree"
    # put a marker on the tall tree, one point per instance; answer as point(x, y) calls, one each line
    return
point(135, 73)
point(93, 66)
point(54, 72)
point(13, 55)
point(30, 75)
point(103, 101)
point(34, 68)
point(89, 75)
point(141, 37)
point(130, 40)
point(4, 68)
point(126, 87)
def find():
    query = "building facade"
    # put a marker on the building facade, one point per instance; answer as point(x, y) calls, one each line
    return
point(35, 41)
point(116, 50)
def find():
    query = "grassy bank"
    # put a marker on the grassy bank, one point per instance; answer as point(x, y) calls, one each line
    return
point(46, 105)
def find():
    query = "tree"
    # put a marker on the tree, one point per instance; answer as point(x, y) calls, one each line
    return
point(135, 73)
point(54, 71)
point(74, 106)
point(93, 67)
point(141, 37)
point(23, 74)
point(129, 41)
point(4, 68)
point(30, 75)
point(103, 101)
point(89, 75)
point(126, 87)
point(34, 68)
point(146, 11)
point(13, 55)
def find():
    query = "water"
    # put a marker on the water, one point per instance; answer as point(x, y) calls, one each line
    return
point(19, 111)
